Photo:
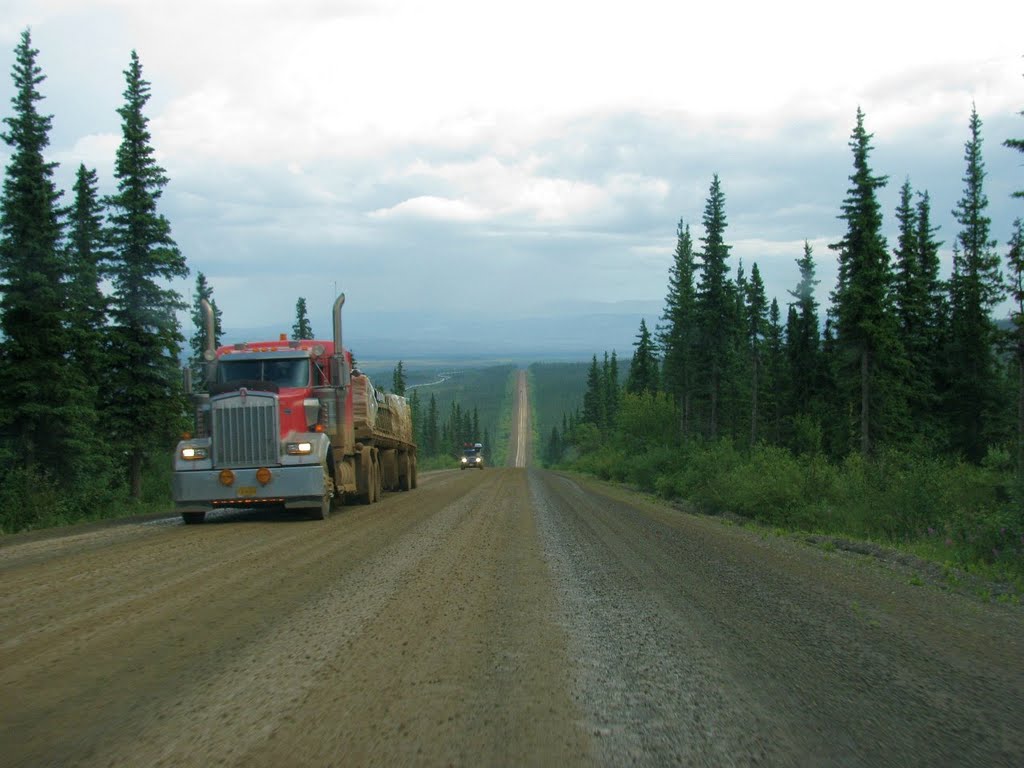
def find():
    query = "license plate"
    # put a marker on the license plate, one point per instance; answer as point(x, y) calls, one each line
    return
point(246, 490)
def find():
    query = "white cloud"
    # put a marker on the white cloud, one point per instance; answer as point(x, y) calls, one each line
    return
point(436, 208)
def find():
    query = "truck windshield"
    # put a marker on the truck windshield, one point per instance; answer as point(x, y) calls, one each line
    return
point(292, 372)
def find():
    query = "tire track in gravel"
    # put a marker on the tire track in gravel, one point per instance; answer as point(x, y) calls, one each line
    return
point(706, 645)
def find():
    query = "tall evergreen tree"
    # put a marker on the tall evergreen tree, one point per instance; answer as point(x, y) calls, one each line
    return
point(918, 303)
point(1017, 144)
point(803, 339)
point(611, 387)
point(197, 344)
point(715, 305)
point(87, 261)
point(398, 379)
point(643, 369)
point(41, 402)
point(146, 406)
point(775, 370)
point(593, 397)
point(678, 336)
point(756, 324)
point(1015, 262)
point(976, 288)
point(302, 329)
point(866, 342)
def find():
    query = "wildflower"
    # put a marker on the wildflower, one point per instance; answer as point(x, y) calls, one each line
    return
point(931, 531)
point(949, 542)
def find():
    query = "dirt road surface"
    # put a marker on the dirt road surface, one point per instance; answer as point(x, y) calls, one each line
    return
point(505, 617)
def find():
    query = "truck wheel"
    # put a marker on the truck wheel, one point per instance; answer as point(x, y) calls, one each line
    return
point(378, 479)
point(193, 518)
point(366, 478)
point(324, 510)
point(403, 471)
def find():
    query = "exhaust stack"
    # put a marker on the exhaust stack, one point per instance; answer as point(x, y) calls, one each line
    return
point(339, 371)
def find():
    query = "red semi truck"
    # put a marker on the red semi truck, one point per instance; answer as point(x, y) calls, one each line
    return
point(292, 424)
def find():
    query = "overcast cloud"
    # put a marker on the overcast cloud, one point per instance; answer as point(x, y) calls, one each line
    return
point(526, 158)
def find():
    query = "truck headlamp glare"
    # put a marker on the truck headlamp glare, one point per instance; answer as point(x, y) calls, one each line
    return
point(193, 453)
point(299, 449)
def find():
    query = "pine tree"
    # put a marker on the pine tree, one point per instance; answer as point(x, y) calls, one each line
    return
point(775, 369)
point(918, 304)
point(197, 343)
point(146, 407)
point(1015, 261)
point(715, 305)
point(398, 379)
point(677, 337)
point(611, 388)
point(41, 402)
point(87, 260)
point(757, 321)
point(1017, 144)
point(593, 398)
point(302, 328)
point(866, 341)
point(975, 289)
point(643, 369)
point(803, 339)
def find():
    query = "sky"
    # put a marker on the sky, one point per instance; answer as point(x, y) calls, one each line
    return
point(520, 160)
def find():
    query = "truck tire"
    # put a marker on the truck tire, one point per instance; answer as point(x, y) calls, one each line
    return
point(193, 518)
point(366, 477)
point(404, 470)
point(323, 511)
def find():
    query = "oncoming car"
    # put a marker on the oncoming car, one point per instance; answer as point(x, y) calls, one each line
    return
point(472, 457)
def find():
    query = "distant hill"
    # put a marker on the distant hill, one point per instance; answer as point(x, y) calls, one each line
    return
point(573, 334)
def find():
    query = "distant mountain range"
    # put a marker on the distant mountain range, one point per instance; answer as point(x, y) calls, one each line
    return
point(572, 333)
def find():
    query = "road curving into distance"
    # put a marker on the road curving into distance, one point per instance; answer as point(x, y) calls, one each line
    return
point(507, 617)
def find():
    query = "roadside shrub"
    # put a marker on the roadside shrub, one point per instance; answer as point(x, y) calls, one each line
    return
point(30, 498)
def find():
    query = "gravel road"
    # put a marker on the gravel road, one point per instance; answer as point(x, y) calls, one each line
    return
point(507, 617)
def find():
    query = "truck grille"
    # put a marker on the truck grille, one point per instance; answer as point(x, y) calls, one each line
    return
point(245, 430)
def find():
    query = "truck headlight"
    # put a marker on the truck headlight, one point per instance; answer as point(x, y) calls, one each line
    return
point(464, 459)
point(194, 453)
point(298, 449)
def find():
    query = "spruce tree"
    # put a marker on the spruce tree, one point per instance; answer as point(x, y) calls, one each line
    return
point(975, 289)
point(611, 388)
point(1015, 262)
point(197, 343)
point(41, 403)
point(756, 325)
point(398, 379)
point(716, 306)
point(775, 372)
point(145, 407)
point(88, 258)
point(431, 439)
point(678, 336)
point(919, 306)
point(643, 369)
point(302, 328)
point(1017, 144)
point(866, 342)
point(803, 339)
point(593, 397)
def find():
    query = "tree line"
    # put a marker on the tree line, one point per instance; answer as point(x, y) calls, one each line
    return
point(904, 368)
point(900, 357)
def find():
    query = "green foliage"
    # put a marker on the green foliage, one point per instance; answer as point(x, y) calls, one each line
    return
point(145, 408)
point(302, 329)
point(398, 379)
point(643, 369)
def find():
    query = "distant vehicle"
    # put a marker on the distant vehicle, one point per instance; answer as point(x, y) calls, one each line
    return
point(472, 457)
